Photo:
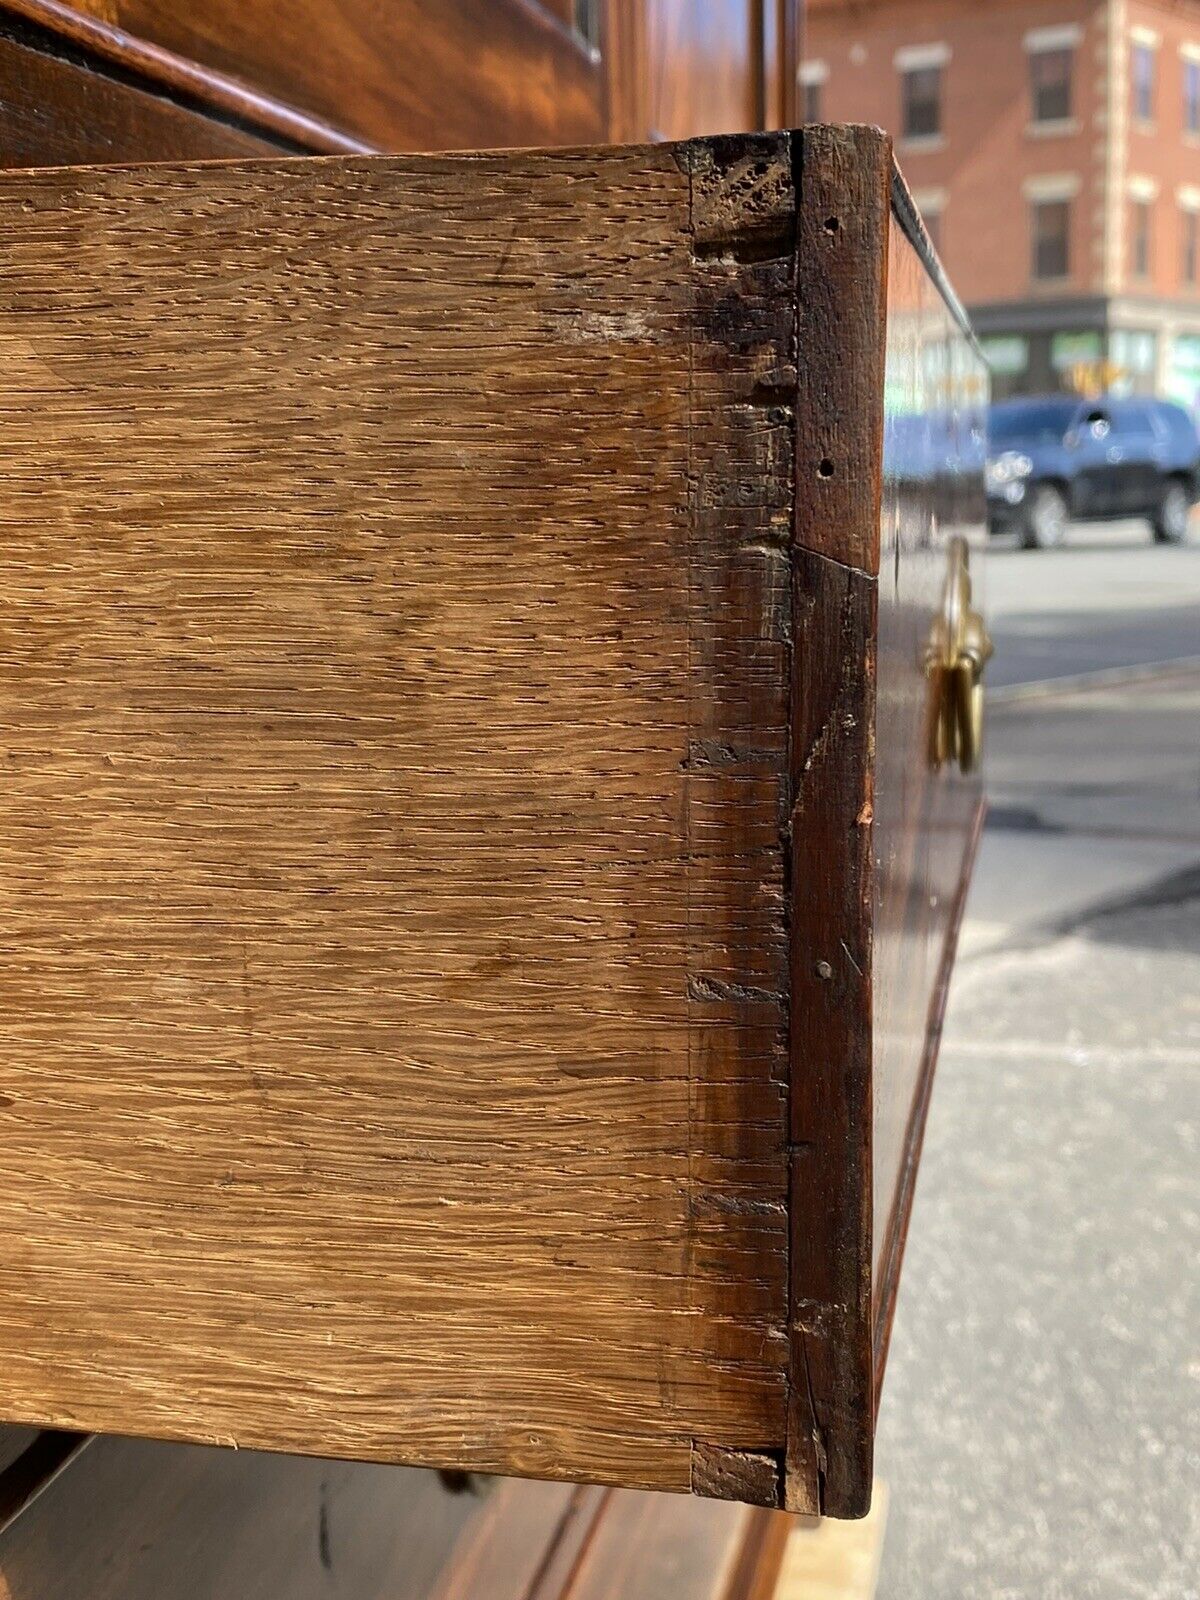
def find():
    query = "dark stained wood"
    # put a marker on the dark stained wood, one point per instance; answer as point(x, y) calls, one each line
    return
point(56, 112)
point(926, 824)
point(705, 65)
point(880, 841)
point(842, 233)
point(831, 1420)
point(13, 1441)
point(781, 55)
point(647, 1546)
point(401, 76)
point(135, 1520)
point(30, 1471)
point(894, 1233)
point(843, 229)
point(507, 1548)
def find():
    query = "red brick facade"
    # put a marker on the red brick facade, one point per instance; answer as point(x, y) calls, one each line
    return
point(1047, 184)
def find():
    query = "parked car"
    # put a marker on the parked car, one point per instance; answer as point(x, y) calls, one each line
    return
point(1057, 458)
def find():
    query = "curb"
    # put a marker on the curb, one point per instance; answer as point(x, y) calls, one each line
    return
point(1082, 682)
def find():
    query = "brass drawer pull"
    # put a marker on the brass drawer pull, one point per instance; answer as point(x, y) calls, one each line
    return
point(959, 649)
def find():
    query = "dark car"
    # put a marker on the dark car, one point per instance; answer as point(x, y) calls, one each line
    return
point(1057, 458)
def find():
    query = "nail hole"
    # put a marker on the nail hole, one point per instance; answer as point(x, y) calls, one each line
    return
point(832, 224)
point(826, 468)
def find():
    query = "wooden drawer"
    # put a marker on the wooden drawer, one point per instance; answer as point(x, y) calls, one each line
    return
point(475, 881)
point(132, 1519)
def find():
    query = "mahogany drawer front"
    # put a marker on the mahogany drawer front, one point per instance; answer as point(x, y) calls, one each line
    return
point(444, 608)
point(359, 75)
point(137, 1520)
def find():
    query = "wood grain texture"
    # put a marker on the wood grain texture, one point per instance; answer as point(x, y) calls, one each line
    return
point(56, 112)
point(843, 224)
point(392, 928)
point(464, 74)
point(474, 894)
point(842, 233)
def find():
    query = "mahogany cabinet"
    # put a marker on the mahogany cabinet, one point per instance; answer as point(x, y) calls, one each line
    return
point(491, 757)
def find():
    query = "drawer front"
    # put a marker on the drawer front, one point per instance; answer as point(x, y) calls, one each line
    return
point(402, 76)
point(57, 112)
point(138, 1520)
point(928, 800)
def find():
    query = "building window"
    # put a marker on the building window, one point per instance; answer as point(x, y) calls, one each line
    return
point(1191, 96)
point(1143, 83)
point(1051, 239)
point(1189, 267)
point(1050, 84)
point(922, 102)
point(1139, 238)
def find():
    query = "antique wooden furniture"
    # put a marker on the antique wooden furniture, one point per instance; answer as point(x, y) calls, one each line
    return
point(480, 860)
point(447, 810)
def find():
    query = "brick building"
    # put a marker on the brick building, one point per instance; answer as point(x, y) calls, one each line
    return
point(1054, 149)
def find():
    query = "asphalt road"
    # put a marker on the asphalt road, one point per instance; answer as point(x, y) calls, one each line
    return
point(1040, 1426)
point(1108, 598)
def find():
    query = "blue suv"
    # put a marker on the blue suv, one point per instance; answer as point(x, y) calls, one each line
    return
point(1057, 458)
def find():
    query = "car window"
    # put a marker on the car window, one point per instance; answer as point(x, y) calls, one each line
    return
point(1037, 421)
point(1134, 417)
point(1173, 424)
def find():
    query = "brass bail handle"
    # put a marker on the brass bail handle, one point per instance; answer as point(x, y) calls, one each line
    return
point(959, 650)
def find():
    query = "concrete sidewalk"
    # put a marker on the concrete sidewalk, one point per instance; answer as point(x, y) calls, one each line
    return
point(1040, 1430)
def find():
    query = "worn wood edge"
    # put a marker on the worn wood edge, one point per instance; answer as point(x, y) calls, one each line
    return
point(843, 216)
point(831, 1421)
point(36, 1468)
point(177, 78)
point(912, 225)
point(896, 1230)
point(742, 219)
point(843, 181)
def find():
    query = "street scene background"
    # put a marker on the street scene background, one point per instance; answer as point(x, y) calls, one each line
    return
point(1040, 1425)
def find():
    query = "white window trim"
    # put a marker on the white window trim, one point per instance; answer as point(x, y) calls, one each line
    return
point(1054, 128)
point(1052, 187)
point(811, 73)
point(1143, 189)
point(1066, 37)
point(914, 57)
point(1145, 36)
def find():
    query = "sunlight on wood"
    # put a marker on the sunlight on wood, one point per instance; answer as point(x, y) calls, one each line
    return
point(828, 1560)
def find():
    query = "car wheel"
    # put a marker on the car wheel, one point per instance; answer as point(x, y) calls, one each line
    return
point(1170, 521)
point(1046, 518)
